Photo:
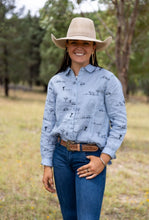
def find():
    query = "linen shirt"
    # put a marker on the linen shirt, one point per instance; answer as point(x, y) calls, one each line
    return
point(89, 108)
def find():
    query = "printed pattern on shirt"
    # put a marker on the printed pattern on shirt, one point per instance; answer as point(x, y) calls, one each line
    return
point(89, 108)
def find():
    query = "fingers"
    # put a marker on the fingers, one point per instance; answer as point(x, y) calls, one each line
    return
point(83, 168)
point(48, 180)
point(91, 177)
point(92, 169)
point(49, 186)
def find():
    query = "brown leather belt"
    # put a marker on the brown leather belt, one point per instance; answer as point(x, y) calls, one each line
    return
point(72, 146)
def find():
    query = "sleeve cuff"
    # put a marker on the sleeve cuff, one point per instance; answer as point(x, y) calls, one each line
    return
point(109, 152)
point(47, 162)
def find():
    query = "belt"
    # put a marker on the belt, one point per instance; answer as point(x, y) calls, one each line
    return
point(72, 146)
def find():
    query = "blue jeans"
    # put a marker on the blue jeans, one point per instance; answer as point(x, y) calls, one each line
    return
point(80, 199)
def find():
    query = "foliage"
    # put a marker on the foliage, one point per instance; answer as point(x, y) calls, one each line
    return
point(27, 53)
point(6, 27)
point(19, 47)
point(128, 38)
point(54, 18)
point(30, 46)
point(138, 71)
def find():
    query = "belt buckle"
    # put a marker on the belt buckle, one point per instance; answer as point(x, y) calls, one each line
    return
point(68, 145)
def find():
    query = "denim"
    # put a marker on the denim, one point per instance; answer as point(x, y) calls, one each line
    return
point(89, 108)
point(80, 199)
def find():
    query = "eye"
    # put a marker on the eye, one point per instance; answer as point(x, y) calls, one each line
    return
point(73, 42)
point(86, 43)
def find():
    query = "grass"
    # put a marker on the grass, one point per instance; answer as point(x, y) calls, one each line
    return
point(22, 196)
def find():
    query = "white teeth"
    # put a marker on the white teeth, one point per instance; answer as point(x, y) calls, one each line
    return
point(79, 54)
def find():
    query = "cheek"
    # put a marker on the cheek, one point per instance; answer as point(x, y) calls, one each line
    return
point(69, 50)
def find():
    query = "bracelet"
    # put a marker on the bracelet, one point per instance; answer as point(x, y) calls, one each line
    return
point(102, 161)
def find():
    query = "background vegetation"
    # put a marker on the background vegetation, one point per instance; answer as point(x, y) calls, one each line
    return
point(29, 57)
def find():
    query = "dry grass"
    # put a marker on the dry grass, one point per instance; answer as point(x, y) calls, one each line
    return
point(22, 195)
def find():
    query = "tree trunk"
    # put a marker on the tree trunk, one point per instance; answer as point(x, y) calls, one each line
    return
point(124, 81)
point(125, 31)
point(6, 77)
point(6, 86)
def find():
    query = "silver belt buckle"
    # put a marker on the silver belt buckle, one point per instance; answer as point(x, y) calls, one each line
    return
point(68, 144)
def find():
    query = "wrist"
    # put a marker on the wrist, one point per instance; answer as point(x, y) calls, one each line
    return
point(47, 167)
point(105, 158)
point(103, 162)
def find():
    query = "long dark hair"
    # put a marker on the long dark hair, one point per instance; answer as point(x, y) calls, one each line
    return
point(66, 62)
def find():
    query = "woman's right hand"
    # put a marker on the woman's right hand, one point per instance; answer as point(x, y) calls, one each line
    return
point(48, 179)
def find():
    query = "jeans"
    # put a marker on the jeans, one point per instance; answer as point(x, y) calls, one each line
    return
point(80, 199)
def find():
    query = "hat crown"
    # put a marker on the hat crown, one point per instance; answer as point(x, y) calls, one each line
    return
point(81, 27)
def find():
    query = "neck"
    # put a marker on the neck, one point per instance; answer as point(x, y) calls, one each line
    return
point(76, 68)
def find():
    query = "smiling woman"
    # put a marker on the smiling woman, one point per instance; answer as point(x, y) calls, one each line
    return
point(84, 123)
point(80, 53)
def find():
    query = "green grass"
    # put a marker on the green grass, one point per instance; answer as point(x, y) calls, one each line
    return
point(22, 196)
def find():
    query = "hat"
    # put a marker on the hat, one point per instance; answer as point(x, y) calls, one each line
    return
point(81, 29)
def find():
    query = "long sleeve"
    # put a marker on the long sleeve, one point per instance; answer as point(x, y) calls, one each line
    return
point(47, 143)
point(115, 106)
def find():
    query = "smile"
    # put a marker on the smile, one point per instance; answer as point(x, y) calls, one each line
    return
point(79, 54)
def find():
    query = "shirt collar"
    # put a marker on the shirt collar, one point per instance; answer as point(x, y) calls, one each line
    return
point(67, 71)
point(89, 68)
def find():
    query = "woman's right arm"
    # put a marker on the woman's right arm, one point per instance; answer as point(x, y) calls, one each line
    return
point(47, 142)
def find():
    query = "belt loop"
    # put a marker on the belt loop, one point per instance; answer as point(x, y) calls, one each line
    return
point(80, 147)
point(58, 139)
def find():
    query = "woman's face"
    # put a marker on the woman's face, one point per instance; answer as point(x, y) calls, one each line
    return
point(80, 51)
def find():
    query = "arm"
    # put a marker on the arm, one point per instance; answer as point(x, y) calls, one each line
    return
point(47, 143)
point(115, 106)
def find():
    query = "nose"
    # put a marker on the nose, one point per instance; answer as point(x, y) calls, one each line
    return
point(79, 44)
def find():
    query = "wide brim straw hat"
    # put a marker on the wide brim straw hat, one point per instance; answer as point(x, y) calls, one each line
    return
point(81, 28)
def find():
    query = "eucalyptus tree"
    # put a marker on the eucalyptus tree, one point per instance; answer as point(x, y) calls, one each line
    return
point(126, 14)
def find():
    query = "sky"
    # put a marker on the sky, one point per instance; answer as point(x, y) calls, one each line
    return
point(35, 5)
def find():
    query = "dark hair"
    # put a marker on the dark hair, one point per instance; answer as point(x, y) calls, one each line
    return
point(66, 62)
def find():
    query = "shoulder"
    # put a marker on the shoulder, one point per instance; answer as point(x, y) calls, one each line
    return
point(109, 77)
point(104, 73)
point(58, 78)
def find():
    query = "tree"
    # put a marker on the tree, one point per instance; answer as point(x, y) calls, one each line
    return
point(20, 40)
point(138, 76)
point(31, 40)
point(54, 18)
point(5, 8)
point(126, 14)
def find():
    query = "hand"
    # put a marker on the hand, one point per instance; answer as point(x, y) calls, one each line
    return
point(92, 169)
point(48, 179)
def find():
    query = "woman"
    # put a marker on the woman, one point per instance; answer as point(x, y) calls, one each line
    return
point(84, 124)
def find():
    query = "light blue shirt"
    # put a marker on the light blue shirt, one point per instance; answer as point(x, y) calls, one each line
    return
point(89, 108)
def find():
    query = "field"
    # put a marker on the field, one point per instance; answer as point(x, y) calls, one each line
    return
point(22, 196)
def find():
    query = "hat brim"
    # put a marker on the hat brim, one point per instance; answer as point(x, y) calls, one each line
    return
point(100, 45)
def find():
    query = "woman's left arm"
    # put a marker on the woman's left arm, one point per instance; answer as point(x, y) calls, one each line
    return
point(116, 111)
point(115, 107)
